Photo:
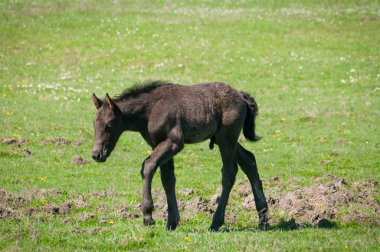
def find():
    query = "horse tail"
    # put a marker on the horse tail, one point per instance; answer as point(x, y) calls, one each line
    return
point(249, 123)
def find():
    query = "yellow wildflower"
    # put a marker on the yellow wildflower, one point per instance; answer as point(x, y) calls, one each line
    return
point(16, 136)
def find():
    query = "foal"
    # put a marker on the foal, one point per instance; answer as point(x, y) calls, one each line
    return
point(167, 116)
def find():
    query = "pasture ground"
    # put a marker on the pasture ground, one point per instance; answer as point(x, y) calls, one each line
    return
point(313, 68)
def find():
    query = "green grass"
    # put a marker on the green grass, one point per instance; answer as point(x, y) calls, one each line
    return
point(313, 67)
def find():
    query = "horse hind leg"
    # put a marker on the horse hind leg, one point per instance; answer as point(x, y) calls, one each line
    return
point(247, 163)
point(229, 170)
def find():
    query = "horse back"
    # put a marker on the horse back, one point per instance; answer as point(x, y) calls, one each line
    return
point(198, 110)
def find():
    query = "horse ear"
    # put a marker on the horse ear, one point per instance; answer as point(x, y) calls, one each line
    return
point(110, 103)
point(97, 102)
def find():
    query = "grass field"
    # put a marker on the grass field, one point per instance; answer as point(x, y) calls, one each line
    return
point(313, 67)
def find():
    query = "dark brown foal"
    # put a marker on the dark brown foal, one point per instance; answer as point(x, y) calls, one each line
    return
point(168, 116)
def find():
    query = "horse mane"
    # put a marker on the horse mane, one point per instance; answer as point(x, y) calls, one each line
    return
point(139, 88)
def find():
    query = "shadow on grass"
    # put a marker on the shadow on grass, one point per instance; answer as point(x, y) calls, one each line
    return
point(284, 225)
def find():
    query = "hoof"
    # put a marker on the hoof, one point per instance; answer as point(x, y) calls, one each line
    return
point(172, 222)
point(264, 226)
point(213, 228)
point(149, 222)
point(263, 219)
point(171, 227)
point(216, 224)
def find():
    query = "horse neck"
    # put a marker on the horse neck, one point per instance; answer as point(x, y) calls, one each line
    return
point(135, 112)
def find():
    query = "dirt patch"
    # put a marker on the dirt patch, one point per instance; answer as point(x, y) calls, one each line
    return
point(80, 161)
point(10, 200)
point(26, 152)
point(327, 201)
point(79, 203)
point(197, 205)
point(187, 207)
point(242, 189)
point(55, 209)
point(15, 141)
point(16, 153)
point(126, 214)
point(194, 205)
point(365, 190)
point(5, 196)
point(30, 211)
point(159, 199)
point(21, 142)
point(249, 202)
point(85, 216)
point(321, 204)
point(8, 140)
point(230, 218)
point(41, 193)
point(362, 218)
point(186, 191)
point(60, 141)
point(65, 207)
point(6, 212)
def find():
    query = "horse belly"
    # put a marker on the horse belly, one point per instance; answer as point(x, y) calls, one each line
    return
point(198, 132)
point(199, 116)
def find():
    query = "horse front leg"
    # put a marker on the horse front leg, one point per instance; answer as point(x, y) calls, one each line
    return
point(160, 155)
point(168, 182)
point(147, 172)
